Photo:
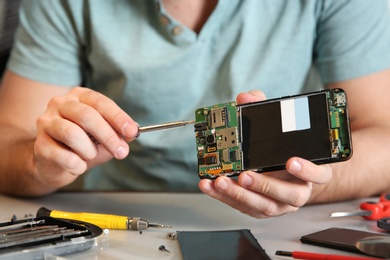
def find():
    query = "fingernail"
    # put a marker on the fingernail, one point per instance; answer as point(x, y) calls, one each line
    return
point(295, 167)
point(138, 133)
point(246, 180)
point(121, 152)
point(207, 186)
point(129, 131)
point(221, 184)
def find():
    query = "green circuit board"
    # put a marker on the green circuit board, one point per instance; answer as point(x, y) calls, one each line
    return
point(217, 140)
point(338, 127)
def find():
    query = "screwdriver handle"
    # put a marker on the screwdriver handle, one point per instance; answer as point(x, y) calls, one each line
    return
point(317, 256)
point(108, 221)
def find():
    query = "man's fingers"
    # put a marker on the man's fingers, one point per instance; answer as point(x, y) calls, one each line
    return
point(251, 96)
point(308, 171)
point(50, 151)
point(75, 120)
point(73, 137)
point(111, 112)
point(294, 192)
point(254, 204)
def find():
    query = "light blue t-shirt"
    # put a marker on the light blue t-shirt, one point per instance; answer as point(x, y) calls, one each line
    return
point(158, 70)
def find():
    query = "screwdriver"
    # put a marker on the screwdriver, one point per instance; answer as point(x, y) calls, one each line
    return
point(317, 256)
point(150, 128)
point(108, 221)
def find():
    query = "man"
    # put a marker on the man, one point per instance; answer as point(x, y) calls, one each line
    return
point(147, 62)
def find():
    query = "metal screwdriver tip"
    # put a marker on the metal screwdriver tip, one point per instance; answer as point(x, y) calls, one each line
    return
point(156, 225)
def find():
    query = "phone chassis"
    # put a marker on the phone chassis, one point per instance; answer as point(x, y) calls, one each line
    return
point(262, 136)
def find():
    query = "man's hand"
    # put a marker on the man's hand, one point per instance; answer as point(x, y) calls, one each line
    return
point(79, 131)
point(268, 194)
point(51, 134)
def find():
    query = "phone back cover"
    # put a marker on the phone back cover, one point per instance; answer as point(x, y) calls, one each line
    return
point(229, 244)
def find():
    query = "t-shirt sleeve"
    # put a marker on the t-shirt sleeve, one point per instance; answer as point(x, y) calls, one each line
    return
point(48, 44)
point(353, 39)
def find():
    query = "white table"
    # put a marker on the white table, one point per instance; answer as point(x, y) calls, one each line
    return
point(187, 212)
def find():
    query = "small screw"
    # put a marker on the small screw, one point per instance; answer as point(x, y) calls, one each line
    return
point(162, 248)
point(171, 235)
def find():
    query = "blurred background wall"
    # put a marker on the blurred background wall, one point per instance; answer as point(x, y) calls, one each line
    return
point(8, 24)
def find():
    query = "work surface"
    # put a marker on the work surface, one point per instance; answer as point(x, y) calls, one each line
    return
point(187, 212)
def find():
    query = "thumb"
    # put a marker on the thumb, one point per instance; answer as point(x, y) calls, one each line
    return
point(251, 96)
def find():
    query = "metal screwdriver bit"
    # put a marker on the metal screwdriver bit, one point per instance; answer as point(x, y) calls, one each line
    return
point(157, 127)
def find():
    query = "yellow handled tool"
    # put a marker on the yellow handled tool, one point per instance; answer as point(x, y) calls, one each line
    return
point(108, 221)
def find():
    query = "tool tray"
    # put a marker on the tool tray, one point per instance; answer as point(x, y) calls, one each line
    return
point(34, 237)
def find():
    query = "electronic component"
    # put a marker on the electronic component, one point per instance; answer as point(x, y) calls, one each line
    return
point(217, 140)
point(262, 136)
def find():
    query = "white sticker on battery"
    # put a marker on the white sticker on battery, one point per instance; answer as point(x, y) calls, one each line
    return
point(295, 114)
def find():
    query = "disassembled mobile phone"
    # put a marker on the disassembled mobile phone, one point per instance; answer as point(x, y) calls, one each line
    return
point(262, 136)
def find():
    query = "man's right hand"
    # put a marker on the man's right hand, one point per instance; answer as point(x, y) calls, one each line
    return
point(81, 130)
point(58, 133)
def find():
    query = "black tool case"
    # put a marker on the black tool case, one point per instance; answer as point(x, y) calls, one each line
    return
point(36, 237)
